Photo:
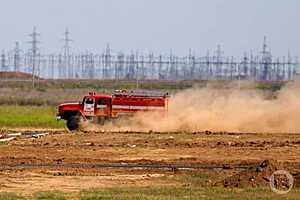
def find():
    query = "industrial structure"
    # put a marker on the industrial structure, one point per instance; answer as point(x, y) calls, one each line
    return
point(110, 65)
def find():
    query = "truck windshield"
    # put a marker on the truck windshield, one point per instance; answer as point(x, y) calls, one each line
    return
point(102, 102)
point(89, 100)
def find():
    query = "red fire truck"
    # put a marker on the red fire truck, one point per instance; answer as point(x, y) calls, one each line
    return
point(101, 107)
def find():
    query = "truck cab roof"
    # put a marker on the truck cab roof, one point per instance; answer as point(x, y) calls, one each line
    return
point(100, 95)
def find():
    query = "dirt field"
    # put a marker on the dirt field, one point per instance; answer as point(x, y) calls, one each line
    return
point(74, 162)
point(150, 165)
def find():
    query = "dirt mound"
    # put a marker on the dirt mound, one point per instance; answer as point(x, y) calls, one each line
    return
point(15, 75)
point(258, 176)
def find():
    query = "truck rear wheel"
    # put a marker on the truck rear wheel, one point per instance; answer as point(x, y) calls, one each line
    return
point(73, 123)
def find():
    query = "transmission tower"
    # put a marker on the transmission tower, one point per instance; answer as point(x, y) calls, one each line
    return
point(34, 51)
point(107, 59)
point(67, 71)
point(290, 67)
point(245, 63)
point(219, 62)
point(3, 61)
point(17, 52)
point(266, 60)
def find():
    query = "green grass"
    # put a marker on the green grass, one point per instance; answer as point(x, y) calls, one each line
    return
point(110, 85)
point(3, 144)
point(10, 196)
point(269, 86)
point(161, 193)
point(54, 92)
point(28, 116)
point(53, 195)
point(99, 85)
point(179, 193)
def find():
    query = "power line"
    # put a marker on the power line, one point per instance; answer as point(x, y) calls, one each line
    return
point(141, 66)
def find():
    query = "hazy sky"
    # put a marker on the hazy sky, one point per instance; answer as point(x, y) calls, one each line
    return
point(154, 25)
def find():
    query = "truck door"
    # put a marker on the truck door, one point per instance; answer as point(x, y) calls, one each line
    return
point(89, 106)
point(104, 107)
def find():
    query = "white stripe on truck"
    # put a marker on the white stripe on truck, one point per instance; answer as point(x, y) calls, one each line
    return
point(138, 107)
point(101, 106)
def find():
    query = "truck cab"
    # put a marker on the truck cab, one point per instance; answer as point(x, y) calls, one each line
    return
point(90, 107)
point(97, 105)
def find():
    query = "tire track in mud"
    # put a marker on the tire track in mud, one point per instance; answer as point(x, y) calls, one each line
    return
point(138, 166)
point(129, 166)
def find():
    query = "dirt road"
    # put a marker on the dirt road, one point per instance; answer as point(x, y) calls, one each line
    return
point(72, 162)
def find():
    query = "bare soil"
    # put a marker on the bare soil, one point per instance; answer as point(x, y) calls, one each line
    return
point(68, 162)
point(15, 75)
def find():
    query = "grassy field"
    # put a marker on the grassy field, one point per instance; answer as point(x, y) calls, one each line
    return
point(111, 85)
point(159, 193)
point(100, 85)
point(179, 193)
point(22, 106)
point(29, 116)
point(54, 92)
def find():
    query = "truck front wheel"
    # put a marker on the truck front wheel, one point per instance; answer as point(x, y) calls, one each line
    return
point(73, 123)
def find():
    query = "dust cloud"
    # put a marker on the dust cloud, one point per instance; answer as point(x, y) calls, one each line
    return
point(223, 110)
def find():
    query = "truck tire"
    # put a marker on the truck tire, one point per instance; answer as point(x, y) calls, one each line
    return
point(73, 123)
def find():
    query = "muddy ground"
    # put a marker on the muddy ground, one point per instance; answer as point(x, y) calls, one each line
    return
point(73, 162)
